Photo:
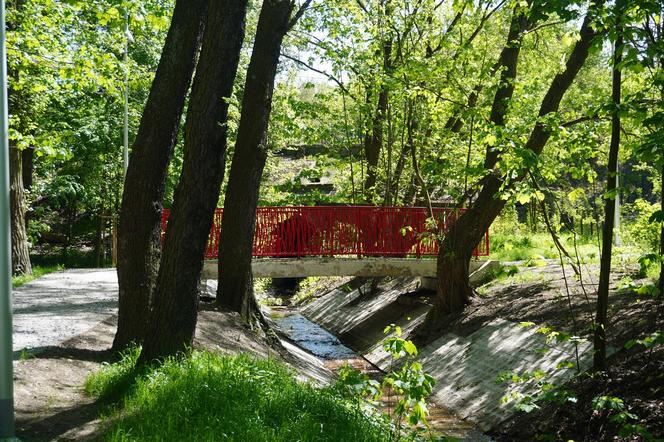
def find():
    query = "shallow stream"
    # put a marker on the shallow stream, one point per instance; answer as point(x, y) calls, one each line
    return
point(310, 336)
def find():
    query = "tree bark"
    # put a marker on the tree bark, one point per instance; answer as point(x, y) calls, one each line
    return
point(599, 342)
point(235, 289)
point(20, 251)
point(173, 318)
point(454, 291)
point(139, 229)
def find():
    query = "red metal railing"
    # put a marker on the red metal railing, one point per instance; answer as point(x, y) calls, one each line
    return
point(342, 230)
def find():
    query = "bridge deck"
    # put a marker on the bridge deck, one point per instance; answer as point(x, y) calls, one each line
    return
point(326, 266)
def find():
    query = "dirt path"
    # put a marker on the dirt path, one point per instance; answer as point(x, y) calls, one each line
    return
point(59, 306)
point(64, 326)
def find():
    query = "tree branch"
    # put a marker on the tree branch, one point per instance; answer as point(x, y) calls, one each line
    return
point(300, 12)
point(318, 71)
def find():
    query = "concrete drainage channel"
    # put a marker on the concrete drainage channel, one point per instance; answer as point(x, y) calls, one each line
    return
point(467, 399)
point(331, 352)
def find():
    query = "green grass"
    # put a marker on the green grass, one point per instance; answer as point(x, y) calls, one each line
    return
point(37, 271)
point(534, 247)
point(207, 397)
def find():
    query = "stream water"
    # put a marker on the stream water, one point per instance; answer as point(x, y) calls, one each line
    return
point(310, 336)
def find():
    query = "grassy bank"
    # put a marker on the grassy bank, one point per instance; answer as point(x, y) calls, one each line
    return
point(211, 397)
point(37, 271)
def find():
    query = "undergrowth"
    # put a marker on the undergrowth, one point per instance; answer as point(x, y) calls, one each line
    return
point(211, 397)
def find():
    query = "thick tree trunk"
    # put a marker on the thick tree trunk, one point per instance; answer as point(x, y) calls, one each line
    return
point(235, 289)
point(173, 319)
point(139, 228)
point(20, 251)
point(456, 249)
point(28, 162)
point(599, 342)
point(19, 105)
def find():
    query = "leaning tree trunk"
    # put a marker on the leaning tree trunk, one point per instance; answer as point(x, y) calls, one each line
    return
point(455, 252)
point(456, 249)
point(139, 229)
point(173, 319)
point(599, 342)
point(235, 289)
point(20, 251)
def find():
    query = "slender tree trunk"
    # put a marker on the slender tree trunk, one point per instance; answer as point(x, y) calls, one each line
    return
point(139, 229)
point(660, 34)
point(20, 252)
point(599, 355)
point(99, 240)
point(173, 318)
point(661, 239)
point(374, 146)
point(235, 289)
point(398, 171)
point(456, 249)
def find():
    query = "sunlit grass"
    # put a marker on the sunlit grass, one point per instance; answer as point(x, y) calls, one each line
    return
point(210, 397)
point(37, 271)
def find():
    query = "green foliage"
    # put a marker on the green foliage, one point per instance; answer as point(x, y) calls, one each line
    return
point(544, 391)
point(408, 382)
point(644, 227)
point(535, 248)
point(356, 385)
point(655, 338)
point(210, 397)
point(615, 409)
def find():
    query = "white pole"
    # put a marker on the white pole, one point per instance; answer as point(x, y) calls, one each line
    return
point(125, 152)
point(6, 352)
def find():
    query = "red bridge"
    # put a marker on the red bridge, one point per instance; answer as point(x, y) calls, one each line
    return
point(342, 230)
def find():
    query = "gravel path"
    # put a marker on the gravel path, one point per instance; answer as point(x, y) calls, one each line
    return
point(61, 305)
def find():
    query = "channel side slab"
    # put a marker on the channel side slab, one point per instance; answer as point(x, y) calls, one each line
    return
point(467, 368)
point(339, 312)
